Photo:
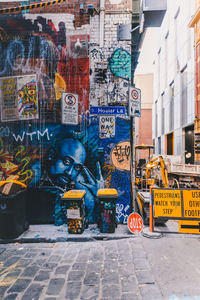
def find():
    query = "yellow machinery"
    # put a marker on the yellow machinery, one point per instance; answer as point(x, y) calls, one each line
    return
point(143, 155)
point(154, 163)
point(144, 167)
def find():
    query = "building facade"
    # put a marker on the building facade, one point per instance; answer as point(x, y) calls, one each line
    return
point(143, 125)
point(174, 84)
point(195, 23)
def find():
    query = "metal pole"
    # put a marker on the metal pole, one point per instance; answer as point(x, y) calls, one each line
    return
point(132, 200)
point(135, 26)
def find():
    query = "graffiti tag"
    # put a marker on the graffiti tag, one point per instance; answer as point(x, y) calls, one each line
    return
point(120, 156)
point(109, 169)
point(120, 64)
point(38, 134)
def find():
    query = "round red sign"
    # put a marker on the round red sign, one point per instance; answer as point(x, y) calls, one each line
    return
point(135, 94)
point(135, 223)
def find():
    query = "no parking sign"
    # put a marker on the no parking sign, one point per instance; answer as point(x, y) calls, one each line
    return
point(134, 102)
point(69, 108)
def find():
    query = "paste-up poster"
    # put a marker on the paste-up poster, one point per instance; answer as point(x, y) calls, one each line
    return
point(18, 95)
point(9, 105)
point(106, 126)
point(27, 97)
point(70, 108)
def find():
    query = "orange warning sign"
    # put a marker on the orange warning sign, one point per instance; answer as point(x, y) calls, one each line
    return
point(191, 202)
point(135, 223)
point(189, 226)
point(167, 203)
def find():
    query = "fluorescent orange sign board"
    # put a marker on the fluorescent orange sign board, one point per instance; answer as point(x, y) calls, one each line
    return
point(186, 226)
point(167, 203)
point(191, 203)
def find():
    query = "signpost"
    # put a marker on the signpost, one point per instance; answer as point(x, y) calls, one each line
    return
point(167, 203)
point(106, 126)
point(135, 223)
point(134, 102)
point(134, 111)
point(191, 203)
point(69, 108)
point(189, 226)
point(178, 204)
point(107, 110)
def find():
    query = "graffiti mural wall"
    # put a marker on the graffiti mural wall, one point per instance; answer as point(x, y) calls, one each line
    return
point(55, 73)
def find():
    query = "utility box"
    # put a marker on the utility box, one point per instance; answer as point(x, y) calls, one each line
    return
point(124, 32)
point(107, 210)
point(13, 220)
point(74, 203)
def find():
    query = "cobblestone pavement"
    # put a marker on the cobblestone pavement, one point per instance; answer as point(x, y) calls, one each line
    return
point(160, 267)
point(113, 269)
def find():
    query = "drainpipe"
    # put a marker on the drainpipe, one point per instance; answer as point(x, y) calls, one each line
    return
point(102, 15)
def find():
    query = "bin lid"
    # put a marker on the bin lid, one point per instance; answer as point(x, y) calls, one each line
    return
point(74, 194)
point(107, 193)
point(11, 187)
point(13, 181)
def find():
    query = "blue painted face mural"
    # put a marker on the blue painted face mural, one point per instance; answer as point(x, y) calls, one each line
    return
point(66, 162)
point(65, 168)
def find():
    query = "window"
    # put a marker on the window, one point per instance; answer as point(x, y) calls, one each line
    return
point(171, 108)
point(166, 58)
point(156, 118)
point(159, 72)
point(170, 144)
point(177, 31)
point(163, 115)
point(183, 97)
point(159, 145)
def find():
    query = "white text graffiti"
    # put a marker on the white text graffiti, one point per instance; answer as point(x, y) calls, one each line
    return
point(31, 135)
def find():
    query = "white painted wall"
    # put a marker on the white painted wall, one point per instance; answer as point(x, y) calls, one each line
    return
point(166, 51)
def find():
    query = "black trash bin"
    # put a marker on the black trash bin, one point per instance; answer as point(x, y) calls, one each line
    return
point(13, 221)
point(74, 203)
point(107, 210)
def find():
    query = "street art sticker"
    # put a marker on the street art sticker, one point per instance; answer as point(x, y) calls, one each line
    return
point(120, 156)
point(27, 97)
point(9, 109)
point(117, 92)
point(69, 108)
point(106, 126)
point(18, 98)
point(120, 64)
